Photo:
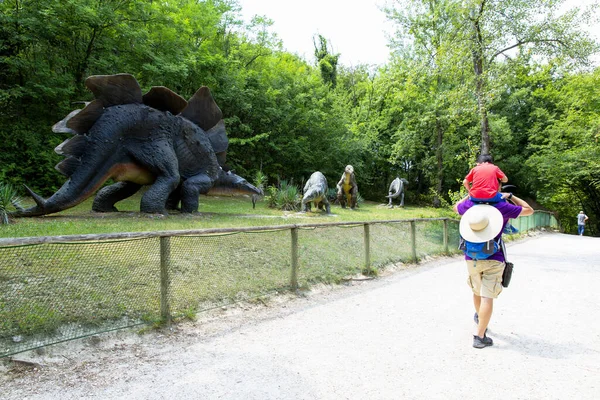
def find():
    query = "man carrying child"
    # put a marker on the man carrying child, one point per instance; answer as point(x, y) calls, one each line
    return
point(481, 223)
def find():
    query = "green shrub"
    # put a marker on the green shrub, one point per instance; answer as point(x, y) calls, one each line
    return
point(455, 197)
point(8, 199)
point(359, 199)
point(286, 196)
point(259, 179)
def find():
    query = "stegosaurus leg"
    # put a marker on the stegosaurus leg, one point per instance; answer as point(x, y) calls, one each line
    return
point(107, 197)
point(174, 199)
point(191, 189)
point(159, 158)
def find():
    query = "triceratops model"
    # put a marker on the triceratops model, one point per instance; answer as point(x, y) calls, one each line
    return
point(396, 190)
point(315, 191)
point(176, 147)
point(347, 189)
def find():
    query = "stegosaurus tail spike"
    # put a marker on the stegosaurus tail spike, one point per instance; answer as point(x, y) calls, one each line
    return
point(37, 198)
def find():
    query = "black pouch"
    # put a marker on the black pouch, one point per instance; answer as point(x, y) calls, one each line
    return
point(507, 273)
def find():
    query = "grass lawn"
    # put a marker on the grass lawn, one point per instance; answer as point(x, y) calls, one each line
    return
point(214, 212)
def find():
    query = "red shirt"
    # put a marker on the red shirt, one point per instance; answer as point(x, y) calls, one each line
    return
point(485, 180)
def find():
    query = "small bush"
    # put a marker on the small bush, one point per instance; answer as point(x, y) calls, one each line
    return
point(455, 197)
point(359, 199)
point(8, 200)
point(285, 197)
point(259, 179)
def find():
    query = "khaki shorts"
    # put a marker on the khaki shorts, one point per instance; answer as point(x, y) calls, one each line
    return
point(485, 277)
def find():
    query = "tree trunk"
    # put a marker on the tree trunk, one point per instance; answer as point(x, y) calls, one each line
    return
point(440, 161)
point(481, 104)
point(478, 52)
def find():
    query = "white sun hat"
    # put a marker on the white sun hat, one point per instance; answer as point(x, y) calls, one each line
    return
point(481, 223)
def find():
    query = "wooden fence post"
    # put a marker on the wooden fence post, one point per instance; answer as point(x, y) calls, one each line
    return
point(165, 260)
point(413, 239)
point(294, 277)
point(446, 236)
point(367, 238)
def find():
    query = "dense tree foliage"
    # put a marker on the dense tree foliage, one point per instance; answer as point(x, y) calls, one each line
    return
point(509, 77)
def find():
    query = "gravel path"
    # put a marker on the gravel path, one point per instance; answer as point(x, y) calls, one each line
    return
point(406, 335)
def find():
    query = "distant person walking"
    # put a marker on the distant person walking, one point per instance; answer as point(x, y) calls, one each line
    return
point(581, 218)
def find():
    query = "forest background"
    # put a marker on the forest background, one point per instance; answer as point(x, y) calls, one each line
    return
point(511, 77)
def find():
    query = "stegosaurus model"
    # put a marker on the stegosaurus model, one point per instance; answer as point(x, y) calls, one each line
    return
point(177, 147)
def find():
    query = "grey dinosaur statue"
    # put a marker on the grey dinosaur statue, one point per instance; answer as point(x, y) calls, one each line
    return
point(396, 190)
point(315, 191)
point(159, 139)
point(347, 189)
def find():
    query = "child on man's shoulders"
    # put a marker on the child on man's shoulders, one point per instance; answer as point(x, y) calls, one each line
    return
point(482, 182)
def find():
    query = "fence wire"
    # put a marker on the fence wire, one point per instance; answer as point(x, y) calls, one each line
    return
point(390, 243)
point(321, 259)
point(53, 292)
point(210, 271)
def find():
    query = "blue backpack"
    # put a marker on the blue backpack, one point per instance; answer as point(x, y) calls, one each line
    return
point(479, 251)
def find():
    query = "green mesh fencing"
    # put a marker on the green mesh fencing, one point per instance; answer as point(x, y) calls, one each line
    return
point(326, 254)
point(210, 271)
point(390, 243)
point(53, 292)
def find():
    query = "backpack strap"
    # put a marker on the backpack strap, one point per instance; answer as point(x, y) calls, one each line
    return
point(503, 249)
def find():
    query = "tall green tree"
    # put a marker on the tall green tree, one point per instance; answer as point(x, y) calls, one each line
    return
point(327, 61)
point(429, 32)
point(566, 158)
point(495, 28)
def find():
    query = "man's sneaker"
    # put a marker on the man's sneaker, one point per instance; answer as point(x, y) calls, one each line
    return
point(476, 318)
point(480, 343)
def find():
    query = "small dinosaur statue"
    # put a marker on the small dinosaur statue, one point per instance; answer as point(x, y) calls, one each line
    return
point(347, 189)
point(397, 190)
point(159, 139)
point(315, 191)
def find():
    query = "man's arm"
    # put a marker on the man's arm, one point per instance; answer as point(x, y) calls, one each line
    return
point(526, 208)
